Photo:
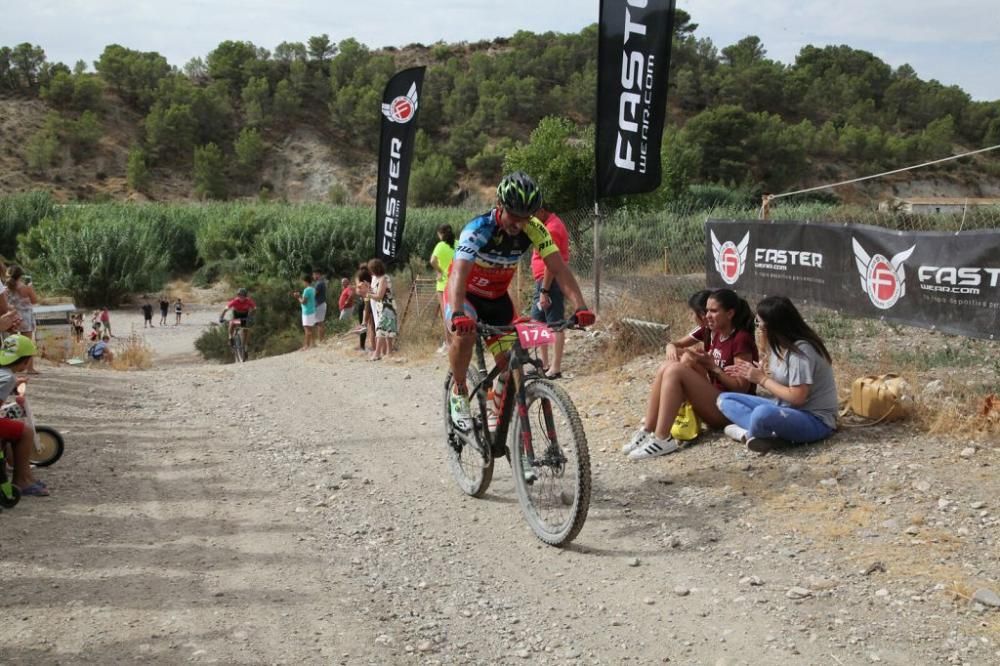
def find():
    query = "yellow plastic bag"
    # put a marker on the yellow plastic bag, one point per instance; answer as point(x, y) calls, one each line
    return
point(686, 426)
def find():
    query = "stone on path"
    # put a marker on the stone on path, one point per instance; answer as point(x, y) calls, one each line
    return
point(987, 597)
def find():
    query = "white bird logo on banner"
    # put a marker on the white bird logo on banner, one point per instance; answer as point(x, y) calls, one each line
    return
point(402, 109)
point(884, 280)
point(730, 258)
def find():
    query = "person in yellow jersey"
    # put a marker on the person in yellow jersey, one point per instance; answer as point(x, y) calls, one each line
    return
point(441, 258)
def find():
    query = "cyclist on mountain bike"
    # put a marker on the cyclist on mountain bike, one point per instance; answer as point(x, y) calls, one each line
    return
point(243, 308)
point(486, 257)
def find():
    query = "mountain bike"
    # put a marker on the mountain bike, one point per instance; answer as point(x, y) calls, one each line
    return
point(239, 342)
point(538, 430)
point(238, 339)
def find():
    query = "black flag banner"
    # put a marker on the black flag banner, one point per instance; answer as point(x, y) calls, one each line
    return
point(938, 280)
point(400, 103)
point(633, 59)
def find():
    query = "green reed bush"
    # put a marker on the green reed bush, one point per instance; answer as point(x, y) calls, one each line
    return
point(20, 212)
point(230, 231)
point(95, 257)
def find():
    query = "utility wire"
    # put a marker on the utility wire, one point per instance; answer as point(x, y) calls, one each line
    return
point(768, 198)
point(879, 175)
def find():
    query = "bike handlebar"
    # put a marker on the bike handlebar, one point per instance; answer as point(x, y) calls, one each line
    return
point(487, 329)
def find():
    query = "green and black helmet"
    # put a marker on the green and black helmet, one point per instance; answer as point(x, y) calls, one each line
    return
point(519, 194)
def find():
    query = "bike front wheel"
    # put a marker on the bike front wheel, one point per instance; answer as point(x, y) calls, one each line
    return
point(470, 458)
point(239, 349)
point(49, 448)
point(553, 481)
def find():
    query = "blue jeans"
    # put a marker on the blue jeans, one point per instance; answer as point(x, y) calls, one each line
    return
point(761, 417)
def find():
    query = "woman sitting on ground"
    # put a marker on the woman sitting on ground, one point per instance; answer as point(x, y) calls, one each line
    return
point(804, 408)
point(700, 334)
point(698, 376)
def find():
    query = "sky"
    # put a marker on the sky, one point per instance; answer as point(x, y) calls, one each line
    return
point(957, 43)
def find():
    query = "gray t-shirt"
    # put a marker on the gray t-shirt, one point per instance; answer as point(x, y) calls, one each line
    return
point(809, 367)
point(320, 287)
point(8, 382)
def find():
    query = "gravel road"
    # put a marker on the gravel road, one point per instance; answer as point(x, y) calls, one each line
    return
point(299, 509)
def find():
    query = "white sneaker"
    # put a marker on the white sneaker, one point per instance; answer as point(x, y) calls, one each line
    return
point(735, 433)
point(653, 447)
point(638, 439)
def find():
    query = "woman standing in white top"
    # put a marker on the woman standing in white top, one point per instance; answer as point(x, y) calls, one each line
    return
point(22, 298)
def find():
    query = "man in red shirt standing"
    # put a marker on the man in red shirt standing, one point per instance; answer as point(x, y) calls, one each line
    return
point(549, 304)
point(346, 301)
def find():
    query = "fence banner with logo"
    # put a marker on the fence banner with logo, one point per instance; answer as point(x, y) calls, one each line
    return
point(939, 280)
point(400, 103)
point(633, 59)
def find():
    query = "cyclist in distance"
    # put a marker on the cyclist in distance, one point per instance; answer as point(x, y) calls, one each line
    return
point(486, 257)
point(243, 307)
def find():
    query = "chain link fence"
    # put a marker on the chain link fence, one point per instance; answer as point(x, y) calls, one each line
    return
point(651, 261)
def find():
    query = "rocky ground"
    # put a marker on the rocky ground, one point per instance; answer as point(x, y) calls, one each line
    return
point(299, 509)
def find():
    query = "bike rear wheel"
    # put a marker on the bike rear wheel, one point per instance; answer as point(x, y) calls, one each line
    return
point(469, 456)
point(556, 501)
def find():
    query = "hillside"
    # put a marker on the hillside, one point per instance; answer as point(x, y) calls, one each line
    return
point(301, 124)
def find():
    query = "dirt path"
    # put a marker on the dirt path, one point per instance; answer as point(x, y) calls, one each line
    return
point(299, 510)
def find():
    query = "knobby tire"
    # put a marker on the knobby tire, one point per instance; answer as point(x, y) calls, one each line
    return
point(575, 498)
point(50, 449)
point(238, 350)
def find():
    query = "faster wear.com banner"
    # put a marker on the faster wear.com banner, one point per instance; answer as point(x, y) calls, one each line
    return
point(400, 104)
point(633, 59)
point(939, 280)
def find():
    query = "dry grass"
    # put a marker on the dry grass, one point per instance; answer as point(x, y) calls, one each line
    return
point(55, 347)
point(624, 342)
point(421, 332)
point(421, 337)
point(975, 415)
point(132, 353)
point(189, 294)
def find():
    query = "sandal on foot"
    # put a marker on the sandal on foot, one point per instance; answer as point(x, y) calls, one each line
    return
point(553, 375)
point(36, 489)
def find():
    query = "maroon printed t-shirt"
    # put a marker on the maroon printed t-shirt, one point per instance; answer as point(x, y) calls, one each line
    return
point(702, 335)
point(725, 351)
